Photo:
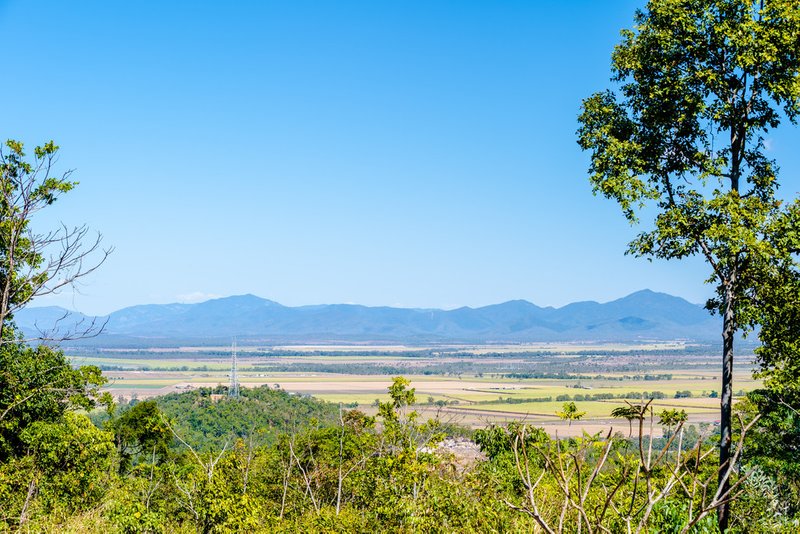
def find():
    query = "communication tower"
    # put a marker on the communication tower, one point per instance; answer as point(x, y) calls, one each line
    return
point(233, 389)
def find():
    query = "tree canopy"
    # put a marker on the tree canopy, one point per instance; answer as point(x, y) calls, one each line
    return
point(699, 85)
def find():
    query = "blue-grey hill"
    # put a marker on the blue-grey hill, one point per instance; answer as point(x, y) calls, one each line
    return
point(641, 316)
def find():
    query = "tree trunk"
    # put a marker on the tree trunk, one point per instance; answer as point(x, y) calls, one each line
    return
point(726, 403)
point(728, 331)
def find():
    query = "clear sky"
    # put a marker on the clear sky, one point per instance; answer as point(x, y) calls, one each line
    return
point(417, 154)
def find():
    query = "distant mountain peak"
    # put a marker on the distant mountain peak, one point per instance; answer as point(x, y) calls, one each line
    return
point(247, 298)
point(649, 294)
point(518, 302)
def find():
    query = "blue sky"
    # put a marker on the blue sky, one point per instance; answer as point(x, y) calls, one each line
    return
point(415, 154)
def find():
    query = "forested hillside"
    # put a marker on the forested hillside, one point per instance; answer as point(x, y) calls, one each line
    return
point(208, 419)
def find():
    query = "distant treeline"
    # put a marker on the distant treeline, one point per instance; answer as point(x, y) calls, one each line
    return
point(579, 397)
point(571, 376)
point(453, 369)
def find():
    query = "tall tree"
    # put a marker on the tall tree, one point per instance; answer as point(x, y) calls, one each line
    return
point(38, 383)
point(700, 84)
point(33, 264)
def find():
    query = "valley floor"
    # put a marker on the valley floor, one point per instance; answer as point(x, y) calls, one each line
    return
point(473, 386)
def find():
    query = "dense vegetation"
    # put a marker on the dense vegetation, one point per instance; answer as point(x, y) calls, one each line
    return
point(210, 466)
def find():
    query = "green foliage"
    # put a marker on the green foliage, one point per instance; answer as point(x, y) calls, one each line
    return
point(72, 456)
point(670, 418)
point(630, 413)
point(774, 444)
point(39, 385)
point(779, 354)
point(141, 431)
point(405, 460)
point(570, 412)
point(140, 503)
point(66, 470)
point(208, 419)
point(498, 443)
point(671, 517)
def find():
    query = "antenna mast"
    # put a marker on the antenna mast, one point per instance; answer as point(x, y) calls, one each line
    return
point(233, 389)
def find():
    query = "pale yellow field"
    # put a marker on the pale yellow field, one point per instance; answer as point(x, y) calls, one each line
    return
point(470, 399)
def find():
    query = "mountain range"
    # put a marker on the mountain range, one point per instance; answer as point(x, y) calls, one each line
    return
point(641, 316)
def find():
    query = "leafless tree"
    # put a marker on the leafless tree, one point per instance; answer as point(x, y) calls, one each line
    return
point(648, 477)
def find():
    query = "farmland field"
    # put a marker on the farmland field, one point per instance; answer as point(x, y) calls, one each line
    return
point(469, 385)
